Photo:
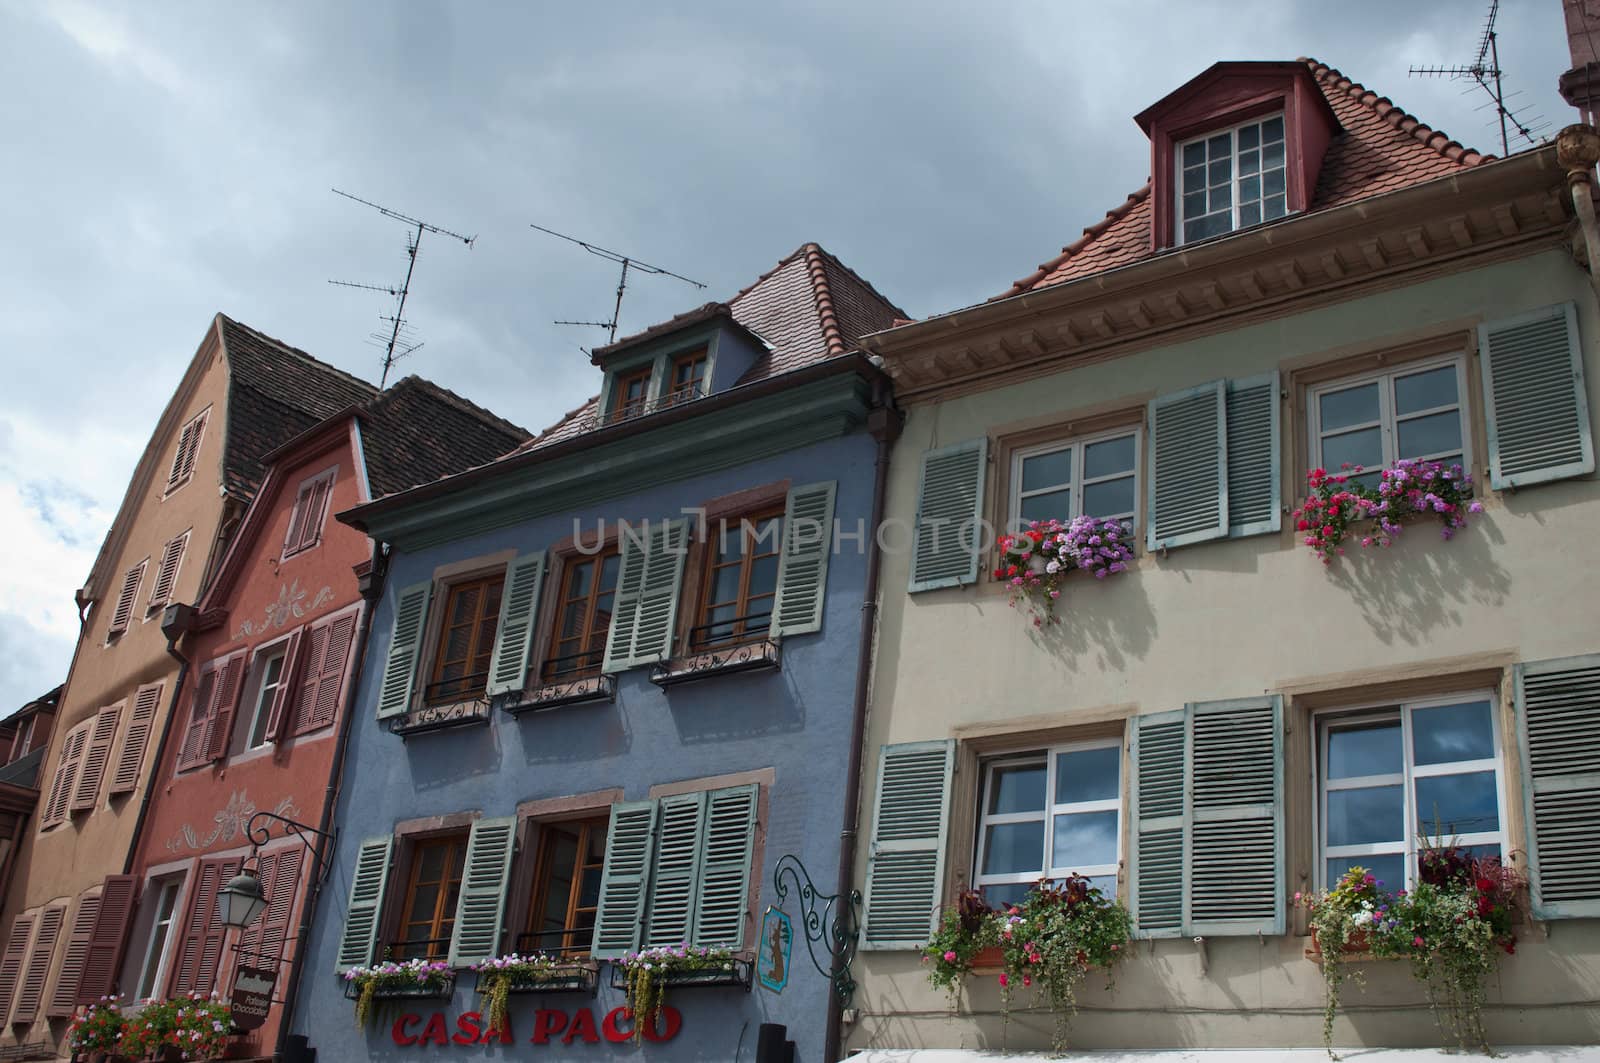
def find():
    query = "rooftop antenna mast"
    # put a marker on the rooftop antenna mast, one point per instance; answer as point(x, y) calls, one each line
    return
point(399, 342)
point(627, 262)
point(1485, 71)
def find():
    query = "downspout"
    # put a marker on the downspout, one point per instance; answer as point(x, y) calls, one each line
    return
point(1577, 151)
point(884, 423)
point(175, 623)
point(371, 585)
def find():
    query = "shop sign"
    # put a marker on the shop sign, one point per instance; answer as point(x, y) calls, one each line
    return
point(550, 1026)
point(252, 996)
point(777, 943)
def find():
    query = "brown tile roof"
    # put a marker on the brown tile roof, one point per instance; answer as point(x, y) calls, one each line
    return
point(1381, 149)
point(417, 432)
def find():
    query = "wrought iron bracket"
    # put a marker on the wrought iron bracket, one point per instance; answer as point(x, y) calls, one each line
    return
point(828, 919)
point(262, 834)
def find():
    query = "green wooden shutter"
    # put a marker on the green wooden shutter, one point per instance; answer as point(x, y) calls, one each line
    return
point(1160, 823)
point(905, 869)
point(645, 609)
point(405, 643)
point(368, 882)
point(723, 898)
point(1558, 710)
point(1188, 494)
point(675, 876)
point(1533, 389)
point(803, 565)
point(482, 905)
point(625, 881)
point(1255, 504)
point(1236, 817)
point(948, 531)
point(519, 607)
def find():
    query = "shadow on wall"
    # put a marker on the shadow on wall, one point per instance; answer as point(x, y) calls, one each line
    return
point(737, 706)
point(445, 758)
point(574, 733)
point(1099, 623)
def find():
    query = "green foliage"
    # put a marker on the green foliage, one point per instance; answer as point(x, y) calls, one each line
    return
point(98, 1028)
point(647, 974)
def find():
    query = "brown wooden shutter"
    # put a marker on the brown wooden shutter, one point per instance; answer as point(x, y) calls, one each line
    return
point(31, 993)
point(11, 962)
point(64, 997)
point(131, 757)
point(283, 697)
point(188, 447)
point(130, 591)
point(298, 519)
point(315, 511)
point(100, 963)
point(196, 734)
point(228, 689)
point(325, 670)
point(92, 769)
point(305, 688)
point(261, 945)
point(200, 947)
point(167, 574)
point(66, 777)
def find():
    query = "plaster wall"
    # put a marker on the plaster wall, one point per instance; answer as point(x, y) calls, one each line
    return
point(1233, 619)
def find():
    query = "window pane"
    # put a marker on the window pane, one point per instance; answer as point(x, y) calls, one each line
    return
point(1106, 884)
point(1363, 447)
point(1088, 775)
point(1084, 839)
point(1374, 749)
point(1017, 788)
point(1109, 497)
point(1221, 197)
point(1047, 470)
point(1457, 804)
point(1194, 154)
point(1366, 816)
point(1340, 409)
point(1447, 733)
point(608, 572)
point(1221, 144)
point(1429, 434)
point(1107, 457)
point(1388, 868)
point(1001, 894)
point(1272, 155)
point(1272, 182)
point(1249, 137)
point(1057, 504)
point(1275, 207)
point(1249, 213)
point(1249, 162)
point(1194, 179)
point(1272, 129)
point(1011, 848)
point(1194, 204)
point(1249, 189)
point(1424, 391)
point(764, 575)
point(725, 584)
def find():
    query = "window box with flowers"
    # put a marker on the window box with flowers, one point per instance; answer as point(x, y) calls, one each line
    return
point(1035, 562)
point(419, 978)
point(646, 975)
point(501, 976)
point(192, 1027)
point(1374, 505)
point(96, 1032)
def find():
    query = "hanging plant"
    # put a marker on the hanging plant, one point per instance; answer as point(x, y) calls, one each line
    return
point(1035, 562)
point(965, 931)
point(98, 1028)
point(409, 974)
point(498, 975)
point(1343, 920)
point(647, 974)
point(1337, 503)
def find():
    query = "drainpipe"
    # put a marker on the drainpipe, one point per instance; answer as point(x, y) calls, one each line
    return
point(1577, 151)
point(884, 423)
point(371, 586)
point(176, 622)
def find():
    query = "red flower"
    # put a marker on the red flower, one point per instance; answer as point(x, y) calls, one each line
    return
point(1327, 529)
point(1011, 570)
point(1302, 525)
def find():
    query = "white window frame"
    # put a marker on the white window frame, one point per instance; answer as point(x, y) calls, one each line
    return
point(1387, 420)
point(1048, 867)
point(329, 474)
point(157, 954)
point(1325, 720)
point(1234, 176)
point(262, 657)
point(1077, 444)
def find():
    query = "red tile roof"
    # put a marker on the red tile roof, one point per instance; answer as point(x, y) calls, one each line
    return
point(1381, 149)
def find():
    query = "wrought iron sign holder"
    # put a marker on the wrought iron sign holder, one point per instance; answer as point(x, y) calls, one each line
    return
point(828, 918)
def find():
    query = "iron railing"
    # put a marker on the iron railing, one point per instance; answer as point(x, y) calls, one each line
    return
point(457, 689)
point(420, 949)
point(644, 407)
point(573, 666)
point(736, 631)
point(549, 942)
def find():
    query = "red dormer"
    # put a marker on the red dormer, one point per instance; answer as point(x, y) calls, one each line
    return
point(1237, 146)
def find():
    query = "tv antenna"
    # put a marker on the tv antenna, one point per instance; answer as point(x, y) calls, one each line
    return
point(1485, 71)
point(400, 341)
point(627, 262)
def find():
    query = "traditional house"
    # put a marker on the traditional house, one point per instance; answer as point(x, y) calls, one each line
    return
point(1311, 280)
point(609, 694)
point(24, 735)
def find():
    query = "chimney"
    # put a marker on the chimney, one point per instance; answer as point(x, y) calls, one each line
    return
point(1580, 86)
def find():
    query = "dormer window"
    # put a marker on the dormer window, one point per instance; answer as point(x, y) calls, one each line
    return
point(688, 377)
point(1232, 179)
point(631, 394)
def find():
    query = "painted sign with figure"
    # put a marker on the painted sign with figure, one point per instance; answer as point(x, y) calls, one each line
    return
point(777, 940)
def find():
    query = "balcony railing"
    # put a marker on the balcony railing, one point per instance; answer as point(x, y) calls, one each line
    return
point(420, 949)
point(740, 644)
point(572, 666)
point(461, 688)
point(723, 634)
point(644, 407)
point(551, 942)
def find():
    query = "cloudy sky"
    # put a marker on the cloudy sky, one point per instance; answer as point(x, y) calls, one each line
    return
point(161, 162)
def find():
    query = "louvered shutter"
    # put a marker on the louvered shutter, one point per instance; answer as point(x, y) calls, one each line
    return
point(367, 885)
point(803, 564)
point(288, 690)
point(31, 993)
point(325, 670)
point(1236, 817)
point(729, 845)
point(261, 944)
point(130, 758)
point(167, 573)
point(1188, 495)
point(482, 903)
point(298, 518)
point(188, 448)
point(405, 643)
point(63, 786)
point(675, 876)
point(1160, 823)
point(310, 513)
point(130, 591)
point(1255, 503)
point(200, 946)
point(196, 734)
point(1538, 408)
point(1558, 710)
point(64, 997)
point(519, 606)
point(905, 869)
point(948, 531)
point(15, 955)
point(229, 687)
point(646, 603)
point(96, 758)
point(625, 880)
point(117, 897)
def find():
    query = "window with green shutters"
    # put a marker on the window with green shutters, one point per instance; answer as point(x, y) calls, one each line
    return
point(803, 564)
point(481, 909)
point(1537, 406)
point(1558, 724)
point(519, 610)
point(910, 821)
point(368, 882)
point(947, 535)
point(405, 645)
point(645, 611)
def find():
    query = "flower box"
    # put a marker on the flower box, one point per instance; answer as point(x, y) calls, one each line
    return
point(1357, 950)
point(438, 989)
point(739, 973)
point(571, 978)
point(988, 960)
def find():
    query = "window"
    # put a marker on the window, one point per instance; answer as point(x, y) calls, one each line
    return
point(1396, 776)
point(688, 377)
point(741, 582)
point(130, 591)
point(583, 617)
point(1230, 179)
point(160, 931)
point(630, 393)
point(1050, 815)
point(310, 513)
point(433, 887)
point(188, 447)
point(566, 888)
point(167, 574)
point(1373, 421)
point(269, 677)
point(1097, 476)
point(466, 640)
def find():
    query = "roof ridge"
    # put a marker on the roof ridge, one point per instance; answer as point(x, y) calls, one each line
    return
point(290, 349)
point(1113, 215)
point(822, 297)
point(465, 405)
point(888, 303)
point(1394, 115)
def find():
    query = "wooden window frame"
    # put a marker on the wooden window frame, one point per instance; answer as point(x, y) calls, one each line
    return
point(1232, 129)
point(707, 565)
point(619, 408)
point(673, 393)
point(437, 660)
point(537, 890)
point(403, 888)
point(565, 558)
point(1078, 444)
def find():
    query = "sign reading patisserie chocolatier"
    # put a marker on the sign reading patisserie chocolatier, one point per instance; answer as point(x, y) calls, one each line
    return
point(550, 1026)
point(252, 996)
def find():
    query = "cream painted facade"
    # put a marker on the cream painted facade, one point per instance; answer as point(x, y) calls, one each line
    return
point(1238, 618)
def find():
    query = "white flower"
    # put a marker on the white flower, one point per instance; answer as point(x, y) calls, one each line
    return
point(1361, 918)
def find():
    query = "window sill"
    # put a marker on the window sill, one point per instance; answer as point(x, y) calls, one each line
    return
point(581, 976)
point(441, 717)
point(579, 691)
point(763, 656)
point(742, 975)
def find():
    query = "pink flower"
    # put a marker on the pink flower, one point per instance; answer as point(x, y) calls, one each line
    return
point(1418, 942)
point(1027, 979)
point(1004, 981)
point(950, 957)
